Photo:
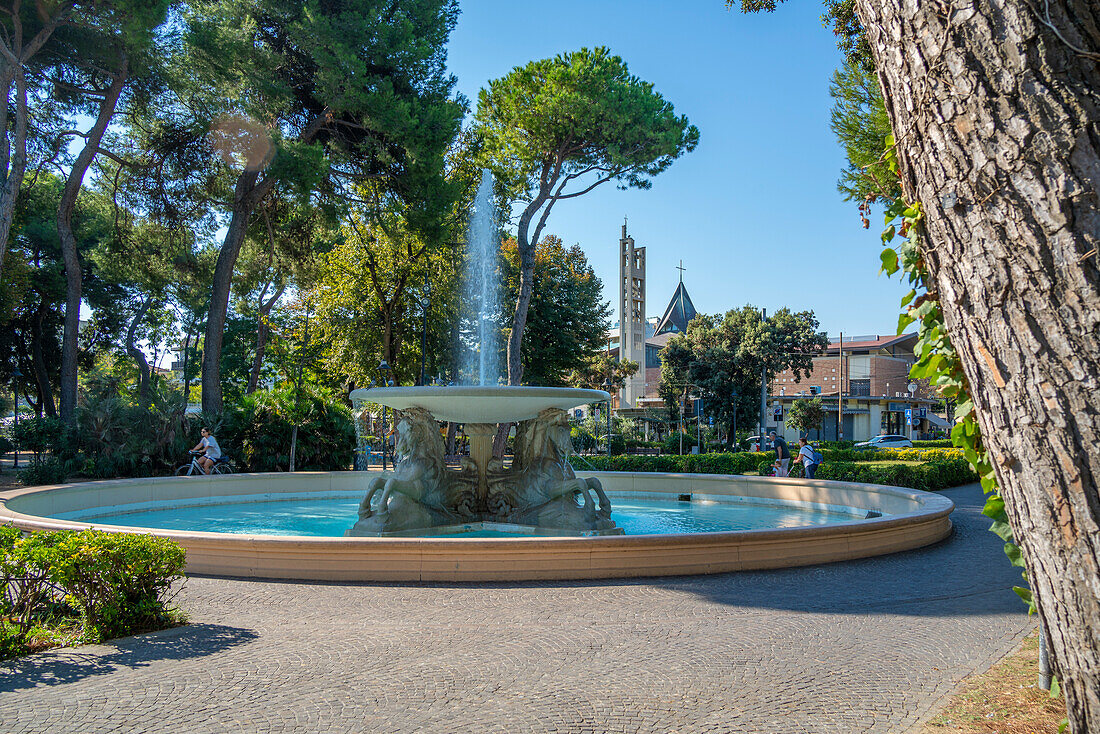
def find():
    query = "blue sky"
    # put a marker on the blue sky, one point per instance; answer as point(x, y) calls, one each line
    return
point(753, 212)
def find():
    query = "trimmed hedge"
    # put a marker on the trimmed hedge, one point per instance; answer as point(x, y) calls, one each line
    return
point(914, 454)
point(936, 473)
point(724, 463)
point(939, 443)
point(105, 584)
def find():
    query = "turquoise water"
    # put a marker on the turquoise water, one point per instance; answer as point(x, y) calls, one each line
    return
point(331, 517)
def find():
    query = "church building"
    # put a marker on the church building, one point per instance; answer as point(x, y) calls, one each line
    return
point(639, 338)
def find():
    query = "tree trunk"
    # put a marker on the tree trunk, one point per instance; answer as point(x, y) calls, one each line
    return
point(262, 333)
point(73, 284)
point(13, 173)
point(997, 118)
point(38, 362)
point(293, 445)
point(246, 196)
point(144, 381)
point(526, 251)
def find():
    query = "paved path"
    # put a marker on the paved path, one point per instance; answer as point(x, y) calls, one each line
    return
point(867, 646)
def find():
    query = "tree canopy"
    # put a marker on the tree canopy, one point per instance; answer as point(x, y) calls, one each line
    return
point(557, 128)
point(724, 358)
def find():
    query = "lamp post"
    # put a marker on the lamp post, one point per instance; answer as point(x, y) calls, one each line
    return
point(607, 387)
point(15, 394)
point(384, 370)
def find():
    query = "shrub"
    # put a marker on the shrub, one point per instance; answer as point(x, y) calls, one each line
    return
point(931, 475)
point(49, 470)
point(114, 584)
point(939, 443)
point(671, 445)
point(38, 435)
point(263, 424)
point(582, 439)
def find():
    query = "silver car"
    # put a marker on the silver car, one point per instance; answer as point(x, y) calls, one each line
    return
point(889, 441)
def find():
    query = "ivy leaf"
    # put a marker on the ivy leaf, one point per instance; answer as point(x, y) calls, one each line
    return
point(994, 507)
point(903, 321)
point(908, 298)
point(888, 234)
point(1014, 555)
point(1024, 594)
point(1055, 689)
point(889, 261)
point(1002, 530)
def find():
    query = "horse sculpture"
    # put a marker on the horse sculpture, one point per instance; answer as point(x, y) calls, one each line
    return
point(546, 492)
point(420, 492)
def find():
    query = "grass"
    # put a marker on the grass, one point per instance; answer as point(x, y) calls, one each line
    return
point(1006, 699)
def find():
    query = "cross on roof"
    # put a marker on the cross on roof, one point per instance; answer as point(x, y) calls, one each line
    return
point(681, 268)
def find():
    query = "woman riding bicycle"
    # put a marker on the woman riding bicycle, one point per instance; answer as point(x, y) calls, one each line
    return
point(208, 446)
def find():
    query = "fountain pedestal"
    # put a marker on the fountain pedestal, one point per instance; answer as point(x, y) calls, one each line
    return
point(538, 494)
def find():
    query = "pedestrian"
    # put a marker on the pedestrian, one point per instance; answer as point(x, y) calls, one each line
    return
point(808, 457)
point(782, 455)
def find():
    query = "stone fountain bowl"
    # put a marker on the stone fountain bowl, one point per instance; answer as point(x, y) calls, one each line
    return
point(470, 404)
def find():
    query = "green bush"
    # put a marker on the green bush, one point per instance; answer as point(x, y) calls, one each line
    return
point(939, 443)
point(931, 475)
point(582, 439)
point(724, 463)
point(38, 435)
point(262, 426)
point(110, 584)
point(7, 446)
point(671, 445)
point(48, 470)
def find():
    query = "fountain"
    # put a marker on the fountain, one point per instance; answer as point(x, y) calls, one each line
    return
point(538, 494)
point(426, 521)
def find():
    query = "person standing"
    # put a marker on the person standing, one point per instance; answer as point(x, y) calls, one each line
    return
point(782, 455)
point(808, 458)
point(209, 446)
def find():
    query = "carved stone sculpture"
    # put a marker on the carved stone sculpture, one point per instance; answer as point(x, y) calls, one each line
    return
point(539, 490)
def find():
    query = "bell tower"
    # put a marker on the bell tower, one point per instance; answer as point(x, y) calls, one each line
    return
point(632, 317)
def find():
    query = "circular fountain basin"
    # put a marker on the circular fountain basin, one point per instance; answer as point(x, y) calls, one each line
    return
point(461, 404)
point(907, 519)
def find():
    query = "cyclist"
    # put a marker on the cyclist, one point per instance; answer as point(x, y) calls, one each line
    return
point(208, 446)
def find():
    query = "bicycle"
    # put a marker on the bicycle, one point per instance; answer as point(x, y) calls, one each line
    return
point(221, 466)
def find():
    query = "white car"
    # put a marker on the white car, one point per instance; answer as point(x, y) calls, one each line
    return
point(890, 441)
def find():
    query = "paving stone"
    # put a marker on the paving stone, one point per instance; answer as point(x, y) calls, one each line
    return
point(864, 646)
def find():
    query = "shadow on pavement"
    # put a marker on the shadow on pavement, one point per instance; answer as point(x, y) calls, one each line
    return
point(66, 665)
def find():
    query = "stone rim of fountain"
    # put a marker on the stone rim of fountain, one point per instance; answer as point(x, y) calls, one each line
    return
point(488, 404)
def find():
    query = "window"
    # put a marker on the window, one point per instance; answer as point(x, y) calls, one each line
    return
point(859, 387)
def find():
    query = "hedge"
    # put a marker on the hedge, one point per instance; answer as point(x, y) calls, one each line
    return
point(723, 463)
point(101, 585)
point(937, 472)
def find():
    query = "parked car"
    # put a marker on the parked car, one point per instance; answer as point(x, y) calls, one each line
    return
point(889, 441)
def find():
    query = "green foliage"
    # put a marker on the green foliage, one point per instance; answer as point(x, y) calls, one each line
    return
point(567, 310)
point(716, 463)
point(931, 475)
point(115, 437)
point(806, 415)
point(933, 444)
point(38, 435)
point(261, 426)
point(111, 584)
point(49, 470)
point(577, 112)
point(724, 356)
point(860, 123)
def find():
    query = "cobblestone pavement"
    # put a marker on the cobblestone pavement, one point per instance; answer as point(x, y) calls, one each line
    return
point(866, 646)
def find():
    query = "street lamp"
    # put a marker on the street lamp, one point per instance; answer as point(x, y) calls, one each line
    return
point(607, 387)
point(15, 394)
point(384, 370)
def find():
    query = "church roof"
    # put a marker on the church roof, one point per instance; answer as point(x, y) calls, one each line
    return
point(679, 313)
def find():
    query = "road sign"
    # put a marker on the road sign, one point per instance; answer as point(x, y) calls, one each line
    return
point(711, 421)
point(908, 415)
point(923, 412)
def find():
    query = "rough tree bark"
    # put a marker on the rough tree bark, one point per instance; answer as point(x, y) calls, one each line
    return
point(73, 281)
point(248, 193)
point(15, 54)
point(38, 361)
point(996, 108)
point(145, 385)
